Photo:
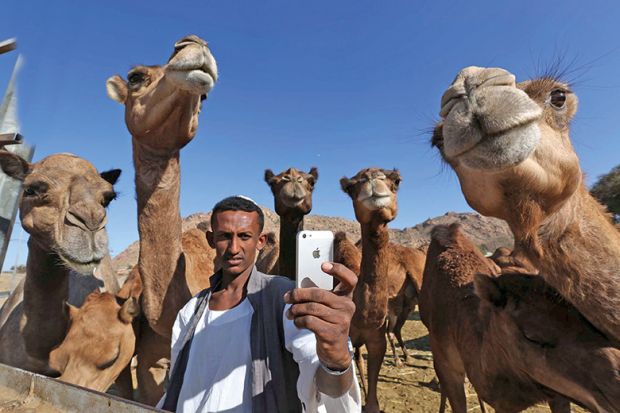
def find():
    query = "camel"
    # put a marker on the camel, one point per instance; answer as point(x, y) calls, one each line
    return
point(515, 338)
point(384, 273)
point(63, 209)
point(510, 147)
point(399, 309)
point(292, 196)
point(162, 104)
point(100, 341)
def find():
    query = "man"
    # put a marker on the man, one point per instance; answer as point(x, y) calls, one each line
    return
point(253, 343)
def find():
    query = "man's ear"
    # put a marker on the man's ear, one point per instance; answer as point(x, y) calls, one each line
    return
point(116, 88)
point(488, 290)
point(210, 239)
point(14, 165)
point(111, 176)
point(262, 241)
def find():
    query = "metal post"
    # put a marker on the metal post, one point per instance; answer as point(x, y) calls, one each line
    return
point(10, 140)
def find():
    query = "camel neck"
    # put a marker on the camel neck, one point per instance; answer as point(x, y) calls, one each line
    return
point(581, 259)
point(290, 225)
point(46, 290)
point(159, 224)
point(371, 294)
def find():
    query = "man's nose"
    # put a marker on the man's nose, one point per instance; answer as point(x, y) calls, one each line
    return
point(233, 247)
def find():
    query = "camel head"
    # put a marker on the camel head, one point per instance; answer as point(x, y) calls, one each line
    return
point(162, 103)
point(292, 190)
point(101, 341)
point(63, 206)
point(549, 339)
point(373, 191)
point(509, 143)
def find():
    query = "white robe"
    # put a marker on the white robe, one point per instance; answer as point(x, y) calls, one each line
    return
point(217, 378)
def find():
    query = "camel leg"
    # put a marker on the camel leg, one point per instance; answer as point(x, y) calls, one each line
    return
point(397, 332)
point(442, 402)
point(376, 345)
point(389, 328)
point(397, 361)
point(559, 405)
point(451, 383)
point(153, 352)
point(361, 369)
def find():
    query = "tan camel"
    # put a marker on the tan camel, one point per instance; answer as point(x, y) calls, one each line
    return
point(162, 104)
point(384, 272)
point(516, 340)
point(292, 195)
point(510, 147)
point(100, 341)
point(63, 210)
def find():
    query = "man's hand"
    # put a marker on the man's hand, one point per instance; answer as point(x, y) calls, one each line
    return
point(327, 314)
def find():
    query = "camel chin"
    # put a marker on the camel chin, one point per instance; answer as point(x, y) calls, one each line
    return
point(503, 151)
point(377, 202)
point(81, 268)
point(197, 82)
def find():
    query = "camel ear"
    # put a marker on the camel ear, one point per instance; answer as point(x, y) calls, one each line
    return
point(129, 310)
point(394, 176)
point(72, 310)
point(346, 184)
point(111, 176)
point(14, 165)
point(487, 289)
point(269, 176)
point(210, 239)
point(117, 89)
point(315, 173)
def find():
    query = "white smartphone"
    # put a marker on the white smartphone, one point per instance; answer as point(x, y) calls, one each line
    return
point(313, 249)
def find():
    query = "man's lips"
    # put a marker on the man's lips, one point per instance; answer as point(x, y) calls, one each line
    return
point(233, 260)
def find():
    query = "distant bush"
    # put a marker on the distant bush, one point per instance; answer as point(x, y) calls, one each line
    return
point(607, 190)
point(20, 268)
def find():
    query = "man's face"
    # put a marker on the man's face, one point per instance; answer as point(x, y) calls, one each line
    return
point(236, 237)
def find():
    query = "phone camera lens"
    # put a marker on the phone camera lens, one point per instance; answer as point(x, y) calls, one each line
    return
point(304, 236)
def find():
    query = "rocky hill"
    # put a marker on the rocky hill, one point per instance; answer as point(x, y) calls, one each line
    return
point(487, 233)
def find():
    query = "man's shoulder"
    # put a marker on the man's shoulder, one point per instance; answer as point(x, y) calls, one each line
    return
point(189, 308)
point(278, 282)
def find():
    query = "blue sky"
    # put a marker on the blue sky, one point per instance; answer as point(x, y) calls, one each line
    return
point(340, 85)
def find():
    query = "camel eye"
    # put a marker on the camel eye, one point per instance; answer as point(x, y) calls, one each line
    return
point(558, 98)
point(35, 188)
point(135, 78)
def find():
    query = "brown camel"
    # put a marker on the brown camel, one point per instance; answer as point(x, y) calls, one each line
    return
point(63, 210)
point(384, 273)
point(162, 104)
point(515, 338)
point(292, 196)
point(509, 145)
point(399, 309)
point(101, 339)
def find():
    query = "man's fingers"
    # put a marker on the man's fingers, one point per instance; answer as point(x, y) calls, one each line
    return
point(347, 278)
point(321, 311)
